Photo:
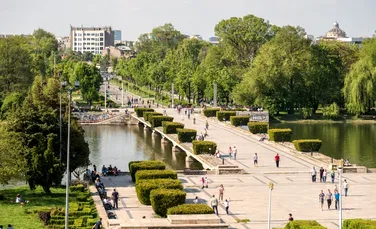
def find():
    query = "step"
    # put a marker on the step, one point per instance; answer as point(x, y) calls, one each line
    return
point(194, 219)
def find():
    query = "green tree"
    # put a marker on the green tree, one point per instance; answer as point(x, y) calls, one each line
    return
point(90, 80)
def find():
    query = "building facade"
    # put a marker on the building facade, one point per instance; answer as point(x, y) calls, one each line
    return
point(337, 34)
point(90, 39)
point(117, 35)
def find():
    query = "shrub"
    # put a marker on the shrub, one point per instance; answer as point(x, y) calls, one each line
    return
point(147, 114)
point(145, 165)
point(225, 115)
point(280, 135)
point(258, 127)
point(359, 224)
point(155, 174)
point(163, 199)
point(239, 120)
point(331, 111)
point(306, 112)
point(156, 121)
point(140, 111)
point(144, 187)
point(304, 224)
point(204, 147)
point(170, 127)
point(190, 209)
point(44, 217)
point(130, 163)
point(77, 188)
point(186, 135)
point(211, 112)
point(307, 145)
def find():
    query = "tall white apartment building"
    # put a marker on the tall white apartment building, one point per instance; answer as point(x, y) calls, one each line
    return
point(90, 39)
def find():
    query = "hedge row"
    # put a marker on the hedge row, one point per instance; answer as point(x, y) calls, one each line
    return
point(258, 127)
point(359, 224)
point(144, 187)
point(186, 135)
point(147, 114)
point(157, 121)
point(170, 127)
point(239, 120)
point(304, 224)
point(145, 165)
point(189, 209)
point(204, 147)
point(155, 174)
point(225, 115)
point(211, 112)
point(307, 145)
point(140, 111)
point(163, 199)
point(280, 135)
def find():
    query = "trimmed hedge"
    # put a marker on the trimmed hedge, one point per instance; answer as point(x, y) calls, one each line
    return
point(157, 120)
point(239, 120)
point(186, 135)
point(307, 145)
point(130, 163)
point(258, 127)
point(170, 127)
point(145, 165)
point(280, 135)
point(225, 115)
point(155, 174)
point(204, 147)
point(359, 224)
point(190, 209)
point(211, 112)
point(304, 224)
point(144, 187)
point(140, 111)
point(163, 199)
point(147, 114)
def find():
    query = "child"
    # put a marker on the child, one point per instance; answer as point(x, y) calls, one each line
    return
point(206, 182)
point(227, 205)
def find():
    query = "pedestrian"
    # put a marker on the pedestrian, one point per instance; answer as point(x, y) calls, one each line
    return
point(235, 150)
point(321, 174)
point(214, 204)
point(329, 198)
point(95, 168)
point(206, 182)
point(277, 160)
point(230, 151)
point(195, 200)
point(346, 187)
point(332, 175)
point(221, 189)
point(313, 173)
point(290, 217)
point(1, 226)
point(207, 124)
point(336, 199)
point(115, 199)
point(255, 160)
point(202, 182)
point(321, 199)
point(98, 224)
point(324, 176)
point(335, 188)
point(227, 205)
point(10, 226)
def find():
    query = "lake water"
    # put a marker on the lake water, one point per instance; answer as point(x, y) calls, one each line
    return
point(118, 145)
point(353, 141)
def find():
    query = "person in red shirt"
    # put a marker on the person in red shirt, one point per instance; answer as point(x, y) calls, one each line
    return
point(277, 159)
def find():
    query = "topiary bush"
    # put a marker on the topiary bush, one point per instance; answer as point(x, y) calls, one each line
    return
point(225, 115)
point(359, 224)
point(239, 120)
point(190, 209)
point(155, 174)
point(307, 145)
point(156, 121)
point(280, 135)
point(145, 165)
point(132, 162)
point(147, 114)
point(204, 147)
point(170, 127)
point(186, 135)
point(258, 127)
point(163, 199)
point(304, 224)
point(211, 112)
point(144, 187)
point(140, 111)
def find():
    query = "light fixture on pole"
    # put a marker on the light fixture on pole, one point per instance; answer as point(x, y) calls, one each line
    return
point(122, 93)
point(105, 95)
point(62, 85)
point(172, 96)
point(340, 196)
point(271, 186)
point(68, 161)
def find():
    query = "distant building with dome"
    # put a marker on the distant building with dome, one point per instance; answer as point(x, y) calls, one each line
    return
point(337, 34)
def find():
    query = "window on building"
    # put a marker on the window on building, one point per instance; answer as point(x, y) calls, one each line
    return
point(75, 39)
point(101, 34)
point(101, 44)
point(75, 43)
point(92, 43)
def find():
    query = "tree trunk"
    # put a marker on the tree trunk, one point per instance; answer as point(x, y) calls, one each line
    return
point(189, 92)
point(46, 189)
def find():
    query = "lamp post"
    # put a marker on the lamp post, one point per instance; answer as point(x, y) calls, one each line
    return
point(271, 186)
point(340, 196)
point(68, 169)
point(215, 95)
point(172, 96)
point(105, 95)
point(122, 93)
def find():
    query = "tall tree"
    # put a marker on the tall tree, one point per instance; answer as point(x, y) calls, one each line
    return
point(90, 81)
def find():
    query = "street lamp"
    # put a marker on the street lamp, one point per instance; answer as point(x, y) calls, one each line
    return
point(68, 169)
point(62, 84)
point(340, 196)
point(271, 186)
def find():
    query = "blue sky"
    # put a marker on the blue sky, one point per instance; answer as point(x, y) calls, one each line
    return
point(189, 16)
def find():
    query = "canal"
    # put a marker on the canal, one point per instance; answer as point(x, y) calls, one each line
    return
point(118, 145)
point(353, 141)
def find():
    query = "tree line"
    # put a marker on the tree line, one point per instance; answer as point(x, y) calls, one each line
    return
point(257, 63)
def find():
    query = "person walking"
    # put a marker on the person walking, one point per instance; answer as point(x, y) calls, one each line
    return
point(214, 204)
point(329, 198)
point(277, 160)
point(336, 199)
point(221, 190)
point(321, 199)
point(207, 124)
point(255, 160)
point(321, 174)
point(235, 152)
point(115, 199)
point(313, 173)
point(230, 151)
point(290, 217)
point(346, 187)
point(206, 182)
point(324, 176)
point(227, 205)
point(202, 182)
point(195, 200)
point(332, 175)
point(98, 224)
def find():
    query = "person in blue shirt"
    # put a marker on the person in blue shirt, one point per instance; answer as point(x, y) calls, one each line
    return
point(336, 199)
point(98, 224)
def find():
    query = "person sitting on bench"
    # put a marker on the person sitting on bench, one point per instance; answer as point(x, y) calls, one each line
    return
point(115, 171)
point(109, 170)
point(107, 204)
point(263, 137)
point(104, 171)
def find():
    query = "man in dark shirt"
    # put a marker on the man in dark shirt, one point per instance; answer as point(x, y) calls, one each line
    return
point(321, 174)
point(98, 224)
point(115, 198)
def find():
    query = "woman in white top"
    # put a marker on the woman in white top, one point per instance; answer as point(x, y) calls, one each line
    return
point(227, 205)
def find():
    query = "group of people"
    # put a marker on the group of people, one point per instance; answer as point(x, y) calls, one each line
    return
point(108, 171)
point(323, 174)
point(214, 202)
point(9, 226)
point(232, 152)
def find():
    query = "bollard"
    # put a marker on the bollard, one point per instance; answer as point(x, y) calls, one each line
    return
point(194, 120)
point(223, 160)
